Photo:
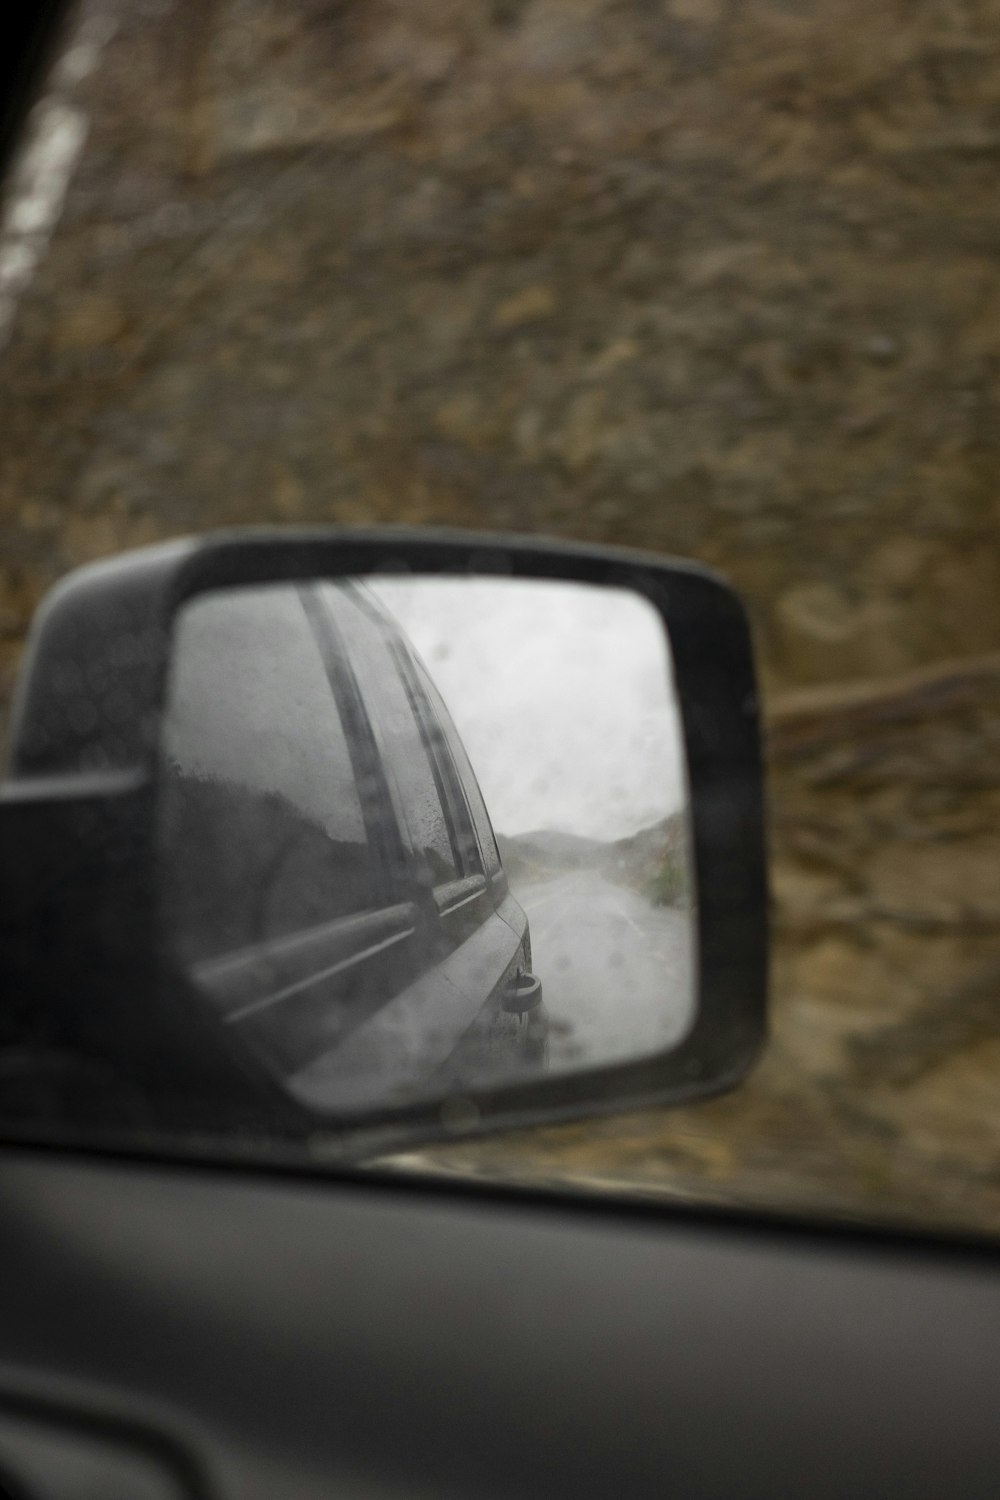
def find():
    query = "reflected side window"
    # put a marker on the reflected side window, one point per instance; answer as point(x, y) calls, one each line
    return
point(263, 832)
point(426, 804)
point(469, 783)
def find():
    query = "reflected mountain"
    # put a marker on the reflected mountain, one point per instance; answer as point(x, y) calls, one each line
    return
point(653, 861)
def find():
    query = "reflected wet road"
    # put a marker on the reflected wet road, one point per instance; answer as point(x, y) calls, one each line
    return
point(617, 973)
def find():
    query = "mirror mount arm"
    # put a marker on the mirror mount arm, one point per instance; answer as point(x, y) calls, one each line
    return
point(86, 1016)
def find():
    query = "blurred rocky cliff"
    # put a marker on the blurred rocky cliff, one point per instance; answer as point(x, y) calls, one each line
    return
point(709, 277)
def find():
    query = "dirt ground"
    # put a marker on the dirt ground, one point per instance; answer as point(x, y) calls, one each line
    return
point(714, 278)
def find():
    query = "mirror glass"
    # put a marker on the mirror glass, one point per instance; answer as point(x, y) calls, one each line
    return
point(419, 835)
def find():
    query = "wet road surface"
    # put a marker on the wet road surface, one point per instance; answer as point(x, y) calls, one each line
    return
point(617, 973)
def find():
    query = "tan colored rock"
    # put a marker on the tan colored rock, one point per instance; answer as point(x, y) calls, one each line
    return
point(801, 892)
point(91, 322)
point(697, 12)
point(460, 417)
point(899, 562)
point(939, 881)
point(825, 633)
point(580, 436)
point(527, 306)
point(842, 971)
point(618, 352)
point(951, 1113)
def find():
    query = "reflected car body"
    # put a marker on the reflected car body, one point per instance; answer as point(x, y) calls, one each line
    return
point(330, 876)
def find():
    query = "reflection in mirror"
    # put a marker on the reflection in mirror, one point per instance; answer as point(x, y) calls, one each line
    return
point(421, 835)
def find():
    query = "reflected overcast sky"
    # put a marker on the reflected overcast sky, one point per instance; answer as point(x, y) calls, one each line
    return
point(562, 692)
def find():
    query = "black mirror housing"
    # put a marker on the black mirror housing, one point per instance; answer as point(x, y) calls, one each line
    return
point(100, 1043)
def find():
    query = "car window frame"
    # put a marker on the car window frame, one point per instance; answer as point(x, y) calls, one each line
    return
point(458, 817)
point(369, 691)
point(457, 753)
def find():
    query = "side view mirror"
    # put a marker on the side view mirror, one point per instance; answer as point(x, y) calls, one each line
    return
point(369, 838)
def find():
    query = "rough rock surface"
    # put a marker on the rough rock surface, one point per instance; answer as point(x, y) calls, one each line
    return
point(710, 277)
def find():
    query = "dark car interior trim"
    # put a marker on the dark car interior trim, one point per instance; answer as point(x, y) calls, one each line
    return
point(378, 1338)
